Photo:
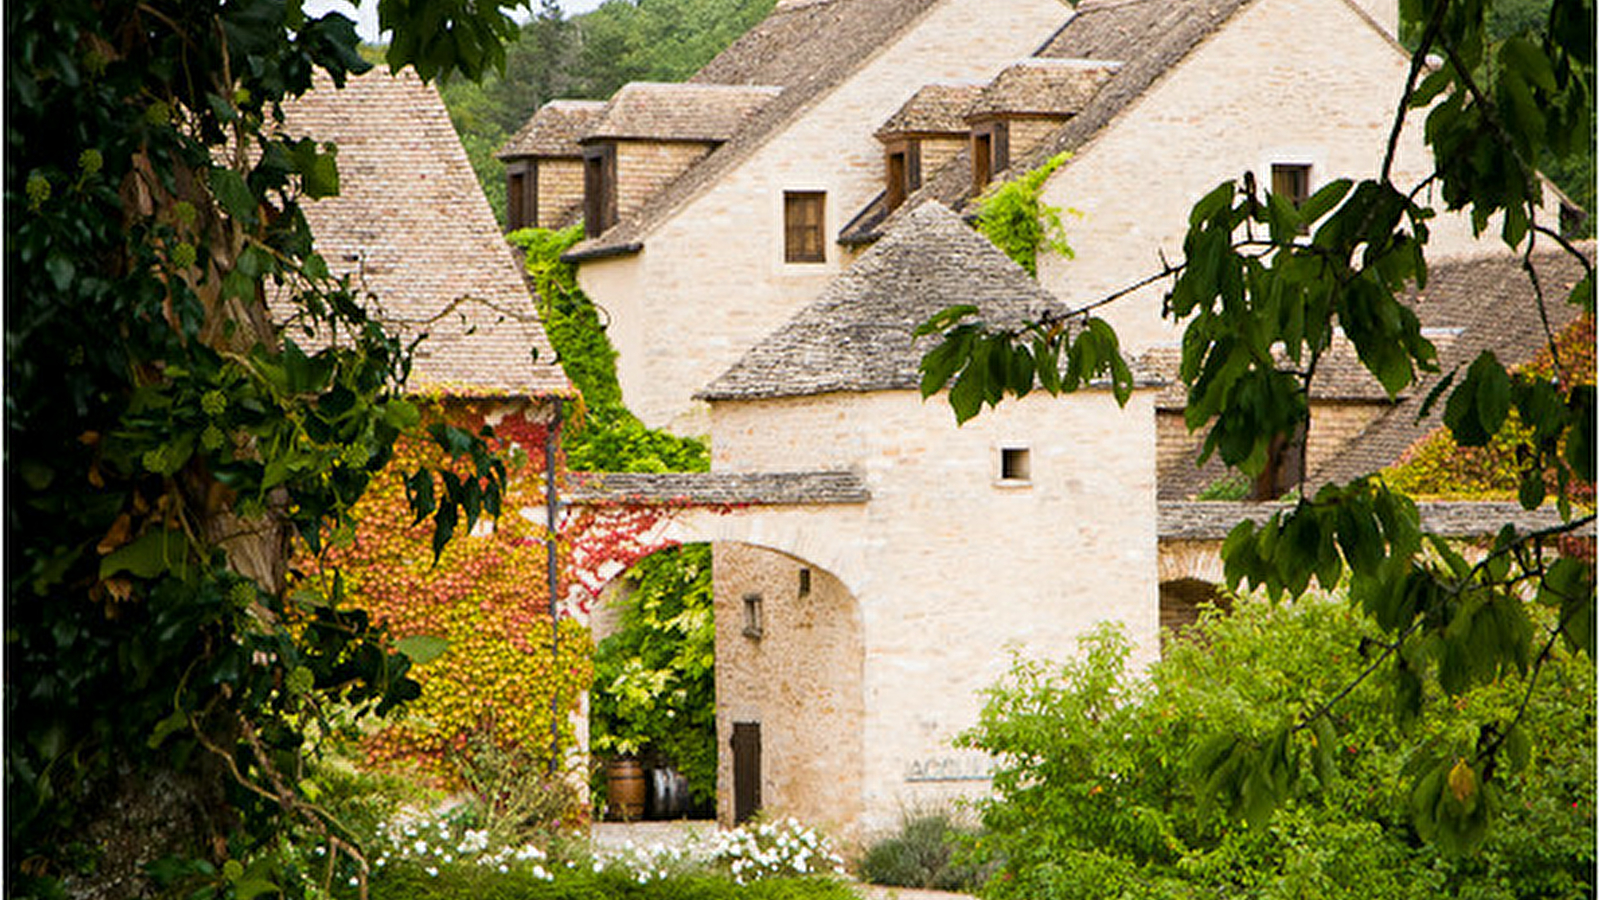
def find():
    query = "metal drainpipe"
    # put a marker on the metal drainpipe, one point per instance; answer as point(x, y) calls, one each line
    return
point(552, 509)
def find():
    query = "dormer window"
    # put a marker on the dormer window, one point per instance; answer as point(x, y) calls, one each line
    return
point(904, 171)
point(991, 152)
point(522, 195)
point(599, 189)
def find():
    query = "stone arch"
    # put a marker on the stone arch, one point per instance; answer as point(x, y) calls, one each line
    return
point(797, 671)
point(1181, 600)
point(799, 678)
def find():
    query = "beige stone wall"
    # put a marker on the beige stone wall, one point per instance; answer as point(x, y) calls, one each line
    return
point(1334, 426)
point(1291, 81)
point(938, 151)
point(1027, 133)
point(644, 167)
point(711, 281)
point(560, 190)
point(963, 567)
point(801, 679)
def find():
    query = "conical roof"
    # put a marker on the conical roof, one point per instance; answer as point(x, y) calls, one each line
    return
point(858, 335)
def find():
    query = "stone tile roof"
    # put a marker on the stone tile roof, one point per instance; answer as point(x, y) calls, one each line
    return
point(805, 48)
point(1340, 374)
point(411, 222)
point(1043, 87)
point(553, 130)
point(654, 111)
point(717, 488)
point(857, 336)
point(934, 109)
point(1492, 302)
point(1149, 38)
point(1188, 521)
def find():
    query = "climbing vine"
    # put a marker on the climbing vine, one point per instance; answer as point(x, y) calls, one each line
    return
point(476, 620)
point(1012, 217)
point(654, 689)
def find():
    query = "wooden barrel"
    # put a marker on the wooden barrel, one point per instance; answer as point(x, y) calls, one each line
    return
point(625, 789)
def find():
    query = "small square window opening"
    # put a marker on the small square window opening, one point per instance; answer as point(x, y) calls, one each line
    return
point(752, 616)
point(1292, 182)
point(1015, 464)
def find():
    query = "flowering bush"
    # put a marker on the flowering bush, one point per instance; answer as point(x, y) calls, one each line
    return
point(773, 850)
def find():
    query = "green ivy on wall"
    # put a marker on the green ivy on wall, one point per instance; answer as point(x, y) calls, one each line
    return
point(654, 691)
point(1012, 217)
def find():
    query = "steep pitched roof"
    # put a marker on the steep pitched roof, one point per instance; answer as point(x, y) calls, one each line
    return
point(553, 130)
point(1039, 86)
point(412, 224)
point(1492, 302)
point(805, 48)
point(935, 109)
point(1470, 305)
point(858, 335)
point(1149, 38)
point(646, 110)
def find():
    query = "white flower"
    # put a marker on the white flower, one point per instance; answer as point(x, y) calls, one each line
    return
point(354, 881)
point(503, 869)
point(421, 846)
point(432, 871)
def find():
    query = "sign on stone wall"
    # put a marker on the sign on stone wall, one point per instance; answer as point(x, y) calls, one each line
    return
point(950, 767)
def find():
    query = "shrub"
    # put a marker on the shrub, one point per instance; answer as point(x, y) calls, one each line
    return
point(926, 852)
point(1096, 796)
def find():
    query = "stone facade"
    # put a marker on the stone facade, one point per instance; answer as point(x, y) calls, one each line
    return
point(644, 167)
point(720, 257)
point(560, 191)
point(790, 659)
point(1285, 81)
point(964, 566)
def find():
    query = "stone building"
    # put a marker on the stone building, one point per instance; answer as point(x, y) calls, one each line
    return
point(765, 239)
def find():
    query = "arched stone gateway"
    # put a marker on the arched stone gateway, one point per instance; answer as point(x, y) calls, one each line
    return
point(790, 650)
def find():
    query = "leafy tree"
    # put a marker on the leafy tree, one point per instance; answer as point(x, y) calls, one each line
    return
point(654, 685)
point(1095, 795)
point(166, 443)
point(1264, 285)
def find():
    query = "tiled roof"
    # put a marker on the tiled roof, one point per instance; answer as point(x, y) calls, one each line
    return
point(1179, 521)
point(1470, 305)
point(935, 109)
point(805, 48)
point(1492, 302)
point(717, 488)
point(858, 335)
point(1340, 375)
point(647, 110)
point(412, 223)
point(1149, 38)
point(553, 130)
point(1039, 86)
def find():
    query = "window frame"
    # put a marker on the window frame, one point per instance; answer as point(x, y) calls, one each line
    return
point(805, 227)
point(599, 188)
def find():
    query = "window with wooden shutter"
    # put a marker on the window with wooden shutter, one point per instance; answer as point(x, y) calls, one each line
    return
point(991, 152)
point(803, 226)
point(897, 180)
point(982, 159)
point(522, 195)
point(599, 189)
